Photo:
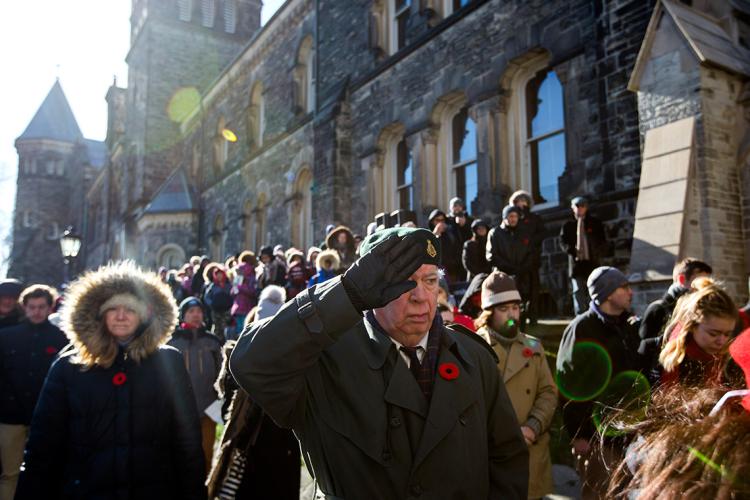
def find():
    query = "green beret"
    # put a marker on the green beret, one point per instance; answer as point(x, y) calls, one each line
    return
point(420, 236)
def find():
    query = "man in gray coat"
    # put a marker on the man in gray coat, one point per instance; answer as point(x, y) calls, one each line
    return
point(392, 405)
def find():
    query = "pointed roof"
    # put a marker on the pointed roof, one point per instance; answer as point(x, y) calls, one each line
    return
point(704, 34)
point(175, 195)
point(54, 119)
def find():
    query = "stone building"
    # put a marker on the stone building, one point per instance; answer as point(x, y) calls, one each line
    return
point(231, 135)
point(56, 164)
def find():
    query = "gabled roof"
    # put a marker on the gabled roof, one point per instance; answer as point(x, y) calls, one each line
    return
point(707, 39)
point(175, 195)
point(54, 119)
point(97, 152)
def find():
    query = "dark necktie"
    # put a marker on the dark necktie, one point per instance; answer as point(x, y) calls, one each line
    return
point(421, 371)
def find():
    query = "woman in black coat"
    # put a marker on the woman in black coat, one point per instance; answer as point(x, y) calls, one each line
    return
point(116, 417)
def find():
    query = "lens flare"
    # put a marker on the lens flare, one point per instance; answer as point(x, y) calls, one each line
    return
point(717, 467)
point(229, 135)
point(622, 404)
point(182, 103)
point(589, 373)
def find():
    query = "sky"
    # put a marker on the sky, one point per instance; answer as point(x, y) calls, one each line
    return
point(81, 42)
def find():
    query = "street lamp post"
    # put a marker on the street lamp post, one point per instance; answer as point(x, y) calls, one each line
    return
point(70, 244)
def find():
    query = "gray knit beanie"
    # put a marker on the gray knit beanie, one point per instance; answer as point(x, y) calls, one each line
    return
point(603, 281)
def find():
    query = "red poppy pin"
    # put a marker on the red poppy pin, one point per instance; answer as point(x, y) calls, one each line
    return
point(119, 378)
point(589, 230)
point(525, 241)
point(448, 371)
point(50, 350)
point(527, 352)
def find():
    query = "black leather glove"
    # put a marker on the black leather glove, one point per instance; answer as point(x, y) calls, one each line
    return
point(383, 274)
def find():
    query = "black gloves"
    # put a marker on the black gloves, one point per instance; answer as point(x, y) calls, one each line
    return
point(382, 275)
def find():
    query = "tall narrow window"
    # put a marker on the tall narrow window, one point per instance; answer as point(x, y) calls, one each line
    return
point(310, 73)
point(464, 142)
point(545, 123)
point(256, 116)
point(302, 234)
point(208, 8)
point(230, 15)
point(184, 9)
point(404, 177)
point(451, 6)
point(400, 10)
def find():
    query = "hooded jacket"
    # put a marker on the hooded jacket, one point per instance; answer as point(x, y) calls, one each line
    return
point(327, 264)
point(348, 251)
point(115, 421)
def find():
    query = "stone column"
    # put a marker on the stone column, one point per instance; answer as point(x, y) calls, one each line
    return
point(487, 114)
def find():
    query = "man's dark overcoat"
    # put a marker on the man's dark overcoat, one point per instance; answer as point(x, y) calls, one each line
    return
point(364, 426)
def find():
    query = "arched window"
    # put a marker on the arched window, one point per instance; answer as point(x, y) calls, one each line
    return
point(221, 146)
point(256, 117)
point(545, 135)
point(230, 16)
point(170, 256)
point(184, 10)
point(464, 157)
point(247, 216)
point(398, 15)
point(208, 9)
point(302, 233)
point(304, 76)
point(404, 177)
point(218, 236)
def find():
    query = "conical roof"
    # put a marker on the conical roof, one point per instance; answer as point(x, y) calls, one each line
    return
point(54, 119)
point(174, 195)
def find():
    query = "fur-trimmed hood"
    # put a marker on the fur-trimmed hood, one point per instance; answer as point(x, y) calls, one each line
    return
point(84, 325)
point(328, 260)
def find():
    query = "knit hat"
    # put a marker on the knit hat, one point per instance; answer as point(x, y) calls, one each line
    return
point(499, 288)
point(579, 200)
point(509, 209)
point(420, 236)
point(520, 194)
point(603, 281)
point(127, 300)
point(477, 223)
point(266, 250)
point(189, 303)
point(271, 299)
point(10, 288)
point(456, 201)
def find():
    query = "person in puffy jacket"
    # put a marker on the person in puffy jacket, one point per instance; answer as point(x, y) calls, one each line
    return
point(202, 353)
point(218, 298)
point(327, 264)
point(116, 417)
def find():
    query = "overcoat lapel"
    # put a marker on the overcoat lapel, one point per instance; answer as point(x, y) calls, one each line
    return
point(402, 388)
point(516, 361)
point(449, 400)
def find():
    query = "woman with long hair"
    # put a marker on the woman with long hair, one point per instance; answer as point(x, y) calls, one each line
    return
point(697, 338)
point(116, 417)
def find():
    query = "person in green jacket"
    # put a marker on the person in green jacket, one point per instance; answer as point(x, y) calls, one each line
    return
point(392, 405)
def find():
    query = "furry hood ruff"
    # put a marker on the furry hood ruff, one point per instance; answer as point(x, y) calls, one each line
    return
point(84, 325)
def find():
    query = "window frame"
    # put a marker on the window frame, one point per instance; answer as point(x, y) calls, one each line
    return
point(185, 10)
point(396, 165)
point(208, 13)
point(460, 166)
point(230, 8)
point(394, 17)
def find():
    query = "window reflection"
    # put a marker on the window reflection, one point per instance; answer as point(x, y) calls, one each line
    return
point(546, 135)
point(465, 157)
point(404, 179)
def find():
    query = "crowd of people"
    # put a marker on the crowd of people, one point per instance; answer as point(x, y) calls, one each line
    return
point(388, 383)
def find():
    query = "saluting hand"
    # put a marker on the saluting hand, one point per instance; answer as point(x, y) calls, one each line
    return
point(383, 274)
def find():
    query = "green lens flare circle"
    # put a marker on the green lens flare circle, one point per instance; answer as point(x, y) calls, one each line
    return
point(622, 404)
point(590, 373)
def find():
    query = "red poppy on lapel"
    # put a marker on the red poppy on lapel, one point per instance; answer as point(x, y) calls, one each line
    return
point(448, 371)
point(50, 350)
point(589, 230)
point(119, 378)
point(525, 241)
point(527, 352)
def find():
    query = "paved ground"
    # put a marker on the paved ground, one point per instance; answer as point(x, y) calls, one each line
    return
point(564, 478)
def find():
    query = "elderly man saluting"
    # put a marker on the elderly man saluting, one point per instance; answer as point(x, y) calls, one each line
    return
point(392, 405)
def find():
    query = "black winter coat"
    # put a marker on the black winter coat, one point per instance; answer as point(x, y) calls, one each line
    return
point(509, 251)
point(578, 374)
point(474, 258)
point(130, 431)
point(651, 331)
point(12, 319)
point(26, 353)
point(597, 244)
